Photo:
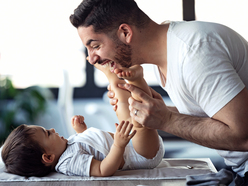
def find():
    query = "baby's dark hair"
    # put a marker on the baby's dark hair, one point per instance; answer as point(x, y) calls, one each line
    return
point(107, 15)
point(22, 154)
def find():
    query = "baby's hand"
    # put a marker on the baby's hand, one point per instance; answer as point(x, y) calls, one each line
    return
point(78, 123)
point(122, 135)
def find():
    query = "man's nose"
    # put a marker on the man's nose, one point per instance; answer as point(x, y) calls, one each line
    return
point(52, 130)
point(93, 58)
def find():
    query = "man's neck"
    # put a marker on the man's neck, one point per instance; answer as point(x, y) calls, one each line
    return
point(152, 46)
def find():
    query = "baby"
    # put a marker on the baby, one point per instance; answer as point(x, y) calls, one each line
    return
point(35, 151)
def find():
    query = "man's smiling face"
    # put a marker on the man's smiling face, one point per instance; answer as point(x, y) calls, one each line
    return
point(102, 49)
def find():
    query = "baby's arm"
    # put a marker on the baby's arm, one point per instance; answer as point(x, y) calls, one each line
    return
point(113, 160)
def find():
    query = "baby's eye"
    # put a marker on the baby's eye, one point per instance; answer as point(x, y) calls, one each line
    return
point(48, 132)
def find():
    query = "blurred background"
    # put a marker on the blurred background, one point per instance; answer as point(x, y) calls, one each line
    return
point(44, 77)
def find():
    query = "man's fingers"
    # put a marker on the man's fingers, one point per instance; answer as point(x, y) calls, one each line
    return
point(134, 105)
point(155, 94)
point(115, 108)
point(111, 94)
point(122, 86)
point(138, 92)
point(113, 101)
point(109, 87)
point(139, 118)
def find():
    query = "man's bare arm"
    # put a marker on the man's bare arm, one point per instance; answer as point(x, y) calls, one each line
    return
point(227, 130)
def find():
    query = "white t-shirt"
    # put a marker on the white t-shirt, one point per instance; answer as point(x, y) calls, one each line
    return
point(207, 66)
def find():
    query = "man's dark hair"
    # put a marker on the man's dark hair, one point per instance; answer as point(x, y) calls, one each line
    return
point(107, 15)
point(22, 155)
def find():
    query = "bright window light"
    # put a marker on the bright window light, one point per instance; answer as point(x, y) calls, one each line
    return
point(37, 41)
point(231, 13)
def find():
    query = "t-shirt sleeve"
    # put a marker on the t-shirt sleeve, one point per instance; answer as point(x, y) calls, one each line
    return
point(76, 164)
point(210, 76)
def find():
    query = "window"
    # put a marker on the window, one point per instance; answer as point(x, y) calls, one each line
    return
point(233, 14)
point(37, 41)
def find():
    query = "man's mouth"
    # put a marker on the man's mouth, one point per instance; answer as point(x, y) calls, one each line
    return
point(109, 64)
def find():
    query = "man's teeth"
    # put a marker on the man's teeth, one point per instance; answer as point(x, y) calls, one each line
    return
point(112, 67)
point(105, 65)
point(109, 64)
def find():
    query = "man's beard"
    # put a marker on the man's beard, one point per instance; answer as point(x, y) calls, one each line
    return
point(123, 55)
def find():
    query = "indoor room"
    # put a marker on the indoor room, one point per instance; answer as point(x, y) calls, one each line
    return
point(45, 78)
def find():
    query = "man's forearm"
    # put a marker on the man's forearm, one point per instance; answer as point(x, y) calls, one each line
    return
point(204, 131)
point(173, 109)
point(228, 131)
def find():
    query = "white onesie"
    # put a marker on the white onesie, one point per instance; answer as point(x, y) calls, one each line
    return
point(94, 143)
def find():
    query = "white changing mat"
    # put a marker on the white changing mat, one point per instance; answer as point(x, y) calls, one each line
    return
point(167, 169)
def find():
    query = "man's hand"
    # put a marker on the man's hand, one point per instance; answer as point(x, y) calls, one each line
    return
point(152, 111)
point(122, 135)
point(113, 101)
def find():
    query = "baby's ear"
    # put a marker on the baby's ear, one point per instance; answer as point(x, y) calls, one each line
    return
point(48, 158)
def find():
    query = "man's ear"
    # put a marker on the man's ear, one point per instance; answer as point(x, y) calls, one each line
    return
point(125, 33)
point(48, 158)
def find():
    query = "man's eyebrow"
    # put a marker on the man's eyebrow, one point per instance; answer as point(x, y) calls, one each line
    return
point(89, 42)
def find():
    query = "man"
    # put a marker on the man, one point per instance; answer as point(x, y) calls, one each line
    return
point(202, 66)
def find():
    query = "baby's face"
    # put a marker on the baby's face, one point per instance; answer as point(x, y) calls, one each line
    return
point(50, 140)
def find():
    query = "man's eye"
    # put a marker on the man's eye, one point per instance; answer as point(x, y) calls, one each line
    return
point(48, 132)
point(96, 46)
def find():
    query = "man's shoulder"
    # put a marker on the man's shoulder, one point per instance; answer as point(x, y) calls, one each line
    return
point(193, 33)
point(196, 28)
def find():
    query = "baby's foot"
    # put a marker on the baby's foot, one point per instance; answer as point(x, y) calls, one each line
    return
point(78, 124)
point(132, 73)
point(106, 68)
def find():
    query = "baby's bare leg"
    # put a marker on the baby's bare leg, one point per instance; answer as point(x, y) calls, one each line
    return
point(78, 124)
point(122, 111)
point(146, 141)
